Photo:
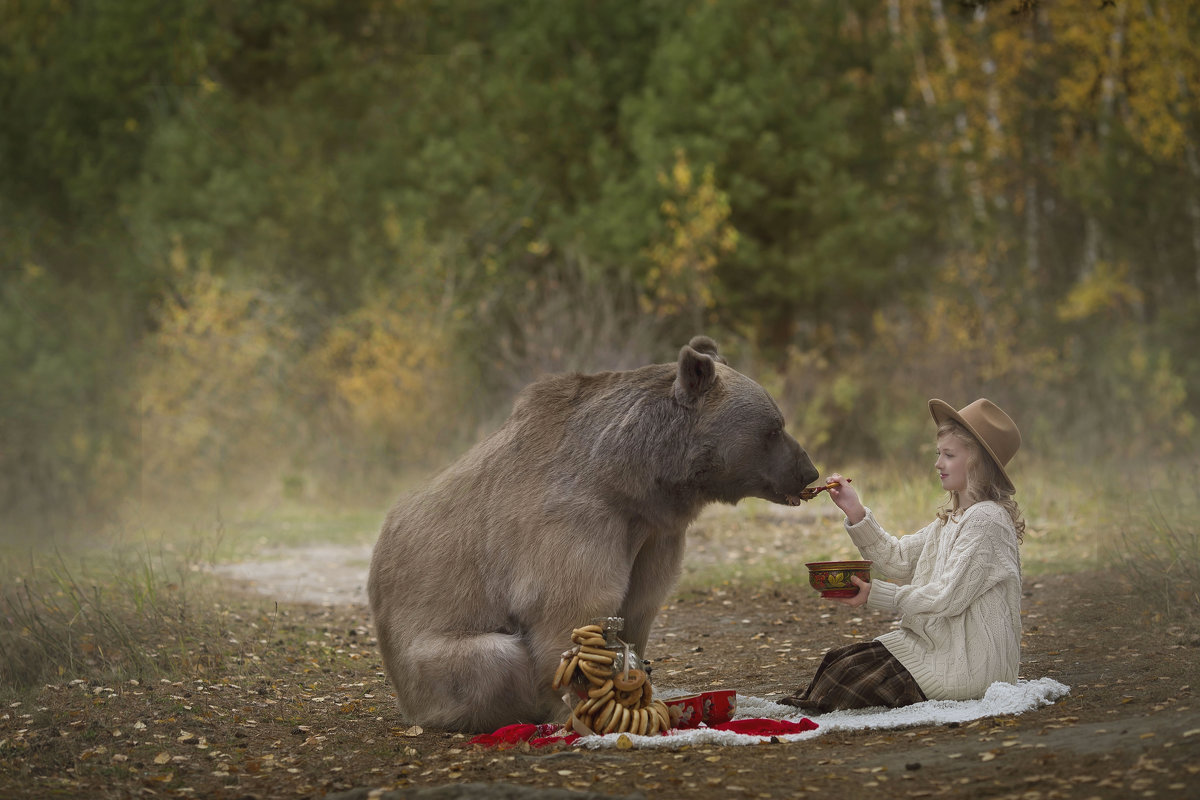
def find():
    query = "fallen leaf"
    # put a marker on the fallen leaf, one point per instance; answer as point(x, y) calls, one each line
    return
point(162, 758)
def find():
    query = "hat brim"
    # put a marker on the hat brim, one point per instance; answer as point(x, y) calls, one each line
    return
point(940, 410)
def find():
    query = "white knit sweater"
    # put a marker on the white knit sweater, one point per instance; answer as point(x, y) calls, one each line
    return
point(960, 605)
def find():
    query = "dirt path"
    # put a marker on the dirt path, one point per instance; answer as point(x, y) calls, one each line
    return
point(1129, 728)
point(317, 575)
point(294, 704)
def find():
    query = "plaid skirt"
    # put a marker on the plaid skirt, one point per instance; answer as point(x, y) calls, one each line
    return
point(858, 675)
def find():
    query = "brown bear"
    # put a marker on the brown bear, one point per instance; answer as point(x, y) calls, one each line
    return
point(574, 509)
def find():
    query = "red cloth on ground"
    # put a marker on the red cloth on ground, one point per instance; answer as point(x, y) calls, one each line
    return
point(542, 735)
point(536, 735)
point(766, 727)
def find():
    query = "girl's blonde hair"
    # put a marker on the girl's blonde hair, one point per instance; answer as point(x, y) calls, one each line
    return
point(984, 479)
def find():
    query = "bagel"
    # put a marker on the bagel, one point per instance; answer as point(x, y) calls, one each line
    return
point(596, 650)
point(630, 680)
point(587, 663)
point(602, 717)
point(614, 721)
point(559, 673)
point(566, 669)
point(592, 703)
point(663, 713)
point(587, 632)
point(572, 668)
point(596, 673)
point(595, 681)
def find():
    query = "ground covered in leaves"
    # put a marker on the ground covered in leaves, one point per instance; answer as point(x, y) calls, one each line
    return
point(302, 709)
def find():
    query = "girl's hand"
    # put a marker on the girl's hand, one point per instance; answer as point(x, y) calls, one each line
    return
point(864, 590)
point(845, 498)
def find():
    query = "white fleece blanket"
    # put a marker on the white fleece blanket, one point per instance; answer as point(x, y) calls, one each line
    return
point(1001, 699)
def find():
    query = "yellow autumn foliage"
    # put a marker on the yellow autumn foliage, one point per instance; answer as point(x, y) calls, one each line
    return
point(697, 234)
point(232, 402)
point(1107, 291)
point(1161, 71)
point(385, 376)
point(968, 338)
point(212, 381)
point(965, 339)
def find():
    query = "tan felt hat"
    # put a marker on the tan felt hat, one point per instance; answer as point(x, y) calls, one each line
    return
point(990, 426)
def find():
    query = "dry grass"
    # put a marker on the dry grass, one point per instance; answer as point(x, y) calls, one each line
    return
point(1094, 518)
point(106, 614)
point(1158, 548)
point(149, 609)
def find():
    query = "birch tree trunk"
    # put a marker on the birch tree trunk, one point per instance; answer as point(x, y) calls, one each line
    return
point(1191, 157)
point(1108, 93)
point(1193, 203)
point(925, 85)
point(1037, 150)
point(970, 165)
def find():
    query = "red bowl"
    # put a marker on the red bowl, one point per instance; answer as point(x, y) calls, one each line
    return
point(711, 708)
point(686, 712)
point(718, 707)
point(832, 578)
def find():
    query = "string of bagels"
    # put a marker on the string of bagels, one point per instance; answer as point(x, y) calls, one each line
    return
point(612, 699)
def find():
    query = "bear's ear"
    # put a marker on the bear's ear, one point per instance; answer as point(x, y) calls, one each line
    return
point(705, 345)
point(696, 375)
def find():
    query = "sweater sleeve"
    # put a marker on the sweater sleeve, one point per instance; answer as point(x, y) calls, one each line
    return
point(968, 574)
point(894, 557)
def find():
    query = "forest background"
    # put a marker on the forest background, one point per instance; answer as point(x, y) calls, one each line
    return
point(301, 249)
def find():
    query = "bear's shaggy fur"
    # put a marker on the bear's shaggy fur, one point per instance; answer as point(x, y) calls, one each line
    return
point(574, 509)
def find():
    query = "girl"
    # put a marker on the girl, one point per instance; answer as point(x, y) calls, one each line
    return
point(960, 598)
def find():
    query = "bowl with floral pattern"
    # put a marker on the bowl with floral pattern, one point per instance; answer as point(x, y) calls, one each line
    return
point(832, 578)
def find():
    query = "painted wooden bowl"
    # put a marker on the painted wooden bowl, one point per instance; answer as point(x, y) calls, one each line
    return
point(719, 706)
point(711, 708)
point(832, 578)
point(686, 712)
